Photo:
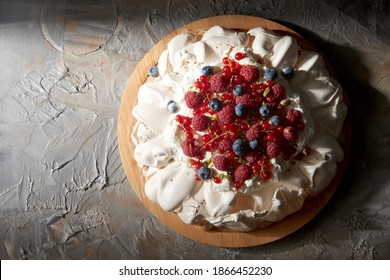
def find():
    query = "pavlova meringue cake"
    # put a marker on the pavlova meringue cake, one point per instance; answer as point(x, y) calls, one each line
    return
point(237, 129)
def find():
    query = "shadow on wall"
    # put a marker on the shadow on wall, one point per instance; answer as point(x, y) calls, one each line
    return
point(374, 15)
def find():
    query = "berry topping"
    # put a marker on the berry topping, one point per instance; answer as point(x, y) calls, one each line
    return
point(225, 145)
point(227, 114)
point(242, 173)
point(254, 144)
point(190, 148)
point(238, 90)
point(200, 122)
point(204, 173)
point(172, 106)
point(278, 92)
point(288, 72)
point(240, 110)
point(218, 83)
point(194, 99)
point(275, 120)
point(252, 156)
point(254, 132)
point(250, 73)
point(215, 104)
point(221, 162)
point(293, 116)
point(245, 99)
point(265, 110)
point(238, 123)
point(207, 70)
point(239, 147)
point(153, 71)
point(273, 149)
point(270, 74)
point(290, 133)
point(239, 56)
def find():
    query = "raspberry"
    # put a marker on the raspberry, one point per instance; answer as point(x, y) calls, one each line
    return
point(221, 162)
point(227, 114)
point(290, 133)
point(278, 92)
point(194, 99)
point(225, 145)
point(252, 157)
point(242, 173)
point(245, 99)
point(218, 83)
point(253, 132)
point(273, 149)
point(293, 116)
point(200, 122)
point(190, 148)
point(250, 73)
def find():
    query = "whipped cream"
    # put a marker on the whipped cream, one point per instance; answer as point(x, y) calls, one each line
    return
point(170, 180)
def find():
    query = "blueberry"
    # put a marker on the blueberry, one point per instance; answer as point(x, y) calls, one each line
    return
point(215, 104)
point(153, 71)
point(204, 173)
point(254, 144)
point(239, 147)
point(238, 90)
point(206, 70)
point(270, 74)
point(240, 110)
point(288, 72)
point(172, 106)
point(275, 120)
point(264, 110)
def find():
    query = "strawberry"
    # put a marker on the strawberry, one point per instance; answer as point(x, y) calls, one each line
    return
point(218, 83)
point(242, 173)
point(250, 73)
point(194, 99)
point(221, 162)
point(200, 122)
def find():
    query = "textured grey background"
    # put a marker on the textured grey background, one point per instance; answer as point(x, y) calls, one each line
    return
point(64, 66)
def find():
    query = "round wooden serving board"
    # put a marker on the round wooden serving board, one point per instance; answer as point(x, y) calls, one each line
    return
point(219, 237)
